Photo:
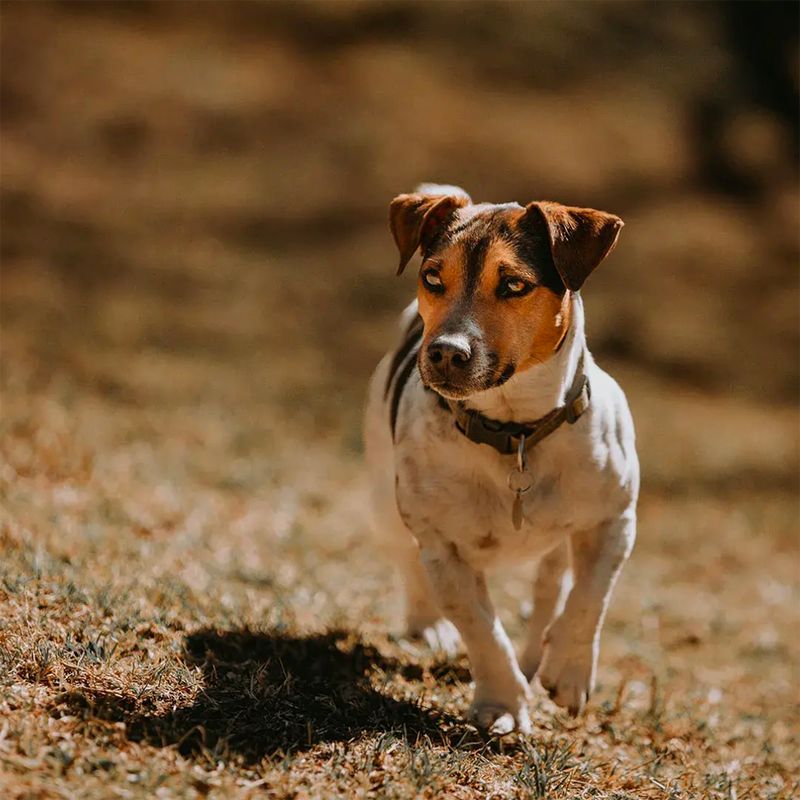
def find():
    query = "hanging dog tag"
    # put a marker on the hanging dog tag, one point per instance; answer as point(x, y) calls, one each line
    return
point(516, 511)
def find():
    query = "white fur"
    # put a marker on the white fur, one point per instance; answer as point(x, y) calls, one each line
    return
point(442, 190)
point(443, 510)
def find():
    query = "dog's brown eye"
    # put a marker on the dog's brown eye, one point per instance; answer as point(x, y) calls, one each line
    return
point(432, 280)
point(511, 287)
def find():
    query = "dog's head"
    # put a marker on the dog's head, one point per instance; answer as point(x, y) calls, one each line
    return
point(495, 282)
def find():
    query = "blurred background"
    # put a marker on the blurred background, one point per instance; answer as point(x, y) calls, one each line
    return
point(211, 180)
point(198, 278)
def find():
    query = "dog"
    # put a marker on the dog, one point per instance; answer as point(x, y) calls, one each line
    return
point(492, 437)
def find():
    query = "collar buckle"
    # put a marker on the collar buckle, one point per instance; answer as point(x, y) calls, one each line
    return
point(474, 426)
point(575, 408)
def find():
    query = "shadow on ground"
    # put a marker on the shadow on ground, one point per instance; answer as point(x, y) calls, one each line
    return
point(271, 693)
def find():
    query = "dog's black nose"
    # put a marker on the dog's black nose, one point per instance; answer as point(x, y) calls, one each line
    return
point(449, 351)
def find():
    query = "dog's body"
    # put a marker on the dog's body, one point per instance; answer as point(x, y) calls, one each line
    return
point(442, 502)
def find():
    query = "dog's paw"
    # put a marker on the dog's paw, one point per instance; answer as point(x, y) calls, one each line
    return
point(497, 719)
point(500, 709)
point(567, 673)
point(441, 636)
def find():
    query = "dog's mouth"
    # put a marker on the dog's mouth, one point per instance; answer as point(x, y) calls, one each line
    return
point(507, 373)
point(460, 390)
point(450, 391)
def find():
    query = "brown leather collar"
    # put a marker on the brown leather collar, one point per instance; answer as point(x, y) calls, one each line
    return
point(504, 436)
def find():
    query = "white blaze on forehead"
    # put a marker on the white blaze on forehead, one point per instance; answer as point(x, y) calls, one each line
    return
point(442, 190)
point(467, 214)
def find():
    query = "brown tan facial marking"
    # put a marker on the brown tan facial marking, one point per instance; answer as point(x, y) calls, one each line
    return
point(496, 284)
point(523, 330)
point(435, 308)
point(517, 332)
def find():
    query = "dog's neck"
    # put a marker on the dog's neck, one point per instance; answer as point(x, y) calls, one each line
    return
point(539, 389)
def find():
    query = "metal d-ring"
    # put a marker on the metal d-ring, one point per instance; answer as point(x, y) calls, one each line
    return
point(519, 479)
point(522, 454)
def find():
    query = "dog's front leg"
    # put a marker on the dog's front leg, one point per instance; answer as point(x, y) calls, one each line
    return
point(572, 641)
point(423, 619)
point(550, 588)
point(501, 691)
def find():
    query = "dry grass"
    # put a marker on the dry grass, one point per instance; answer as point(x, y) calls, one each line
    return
point(187, 612)
point(188, 606)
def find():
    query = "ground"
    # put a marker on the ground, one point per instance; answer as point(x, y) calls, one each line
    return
point(189, 603)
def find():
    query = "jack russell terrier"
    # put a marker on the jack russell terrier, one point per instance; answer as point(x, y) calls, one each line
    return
point(492, 437)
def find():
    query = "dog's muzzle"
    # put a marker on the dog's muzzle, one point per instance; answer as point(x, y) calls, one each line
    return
point(453, 364)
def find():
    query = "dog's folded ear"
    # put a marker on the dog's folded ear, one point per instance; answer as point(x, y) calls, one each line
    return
point(580, 238)
point(415, 218)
